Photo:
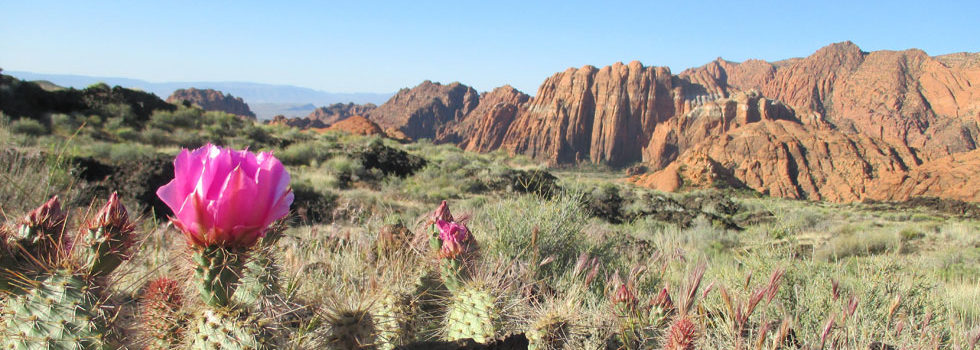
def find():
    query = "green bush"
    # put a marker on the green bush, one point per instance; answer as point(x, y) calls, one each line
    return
point(29, 127)
point(65, 124)
point(156, 137)
point(303, 153)
point(507, 228)
point(129, 152)
point(127, 134)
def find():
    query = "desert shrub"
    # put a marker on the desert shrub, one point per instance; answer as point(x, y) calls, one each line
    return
point(303, 153)
point(27, 180)
point(853, 241)
point(506, 227)
point(130, 152)
point(29, 127)
point(183, 117)
point(605, 202)
point(127, 134)
point(155, 137)
point(539, 182)
point(390, 161)
point(65, 124)
point(259, 137)
point(220, 125)
point(188, 139)
point(312, 206)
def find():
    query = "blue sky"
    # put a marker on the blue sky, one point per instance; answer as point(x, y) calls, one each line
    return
point(363, 46)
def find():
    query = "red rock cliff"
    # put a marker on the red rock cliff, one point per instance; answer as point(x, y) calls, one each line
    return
point(212, 100)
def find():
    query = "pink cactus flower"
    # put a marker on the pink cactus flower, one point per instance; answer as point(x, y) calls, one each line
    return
point(454, 236)
point(226, 197)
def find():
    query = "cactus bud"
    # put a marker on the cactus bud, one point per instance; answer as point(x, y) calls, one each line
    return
point(662, 300)
point(48, 220)
point(624, 296)
point(109, 238)
point(441, 214)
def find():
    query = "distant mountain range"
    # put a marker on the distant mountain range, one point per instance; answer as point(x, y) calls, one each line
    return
point(266, 100)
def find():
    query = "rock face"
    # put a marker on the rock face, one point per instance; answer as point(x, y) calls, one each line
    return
point(841, 124)
point(302, 123)
point(212, 100)
point(483, 129)
point(425, 111)
point(339, 111)
point(591, 114)
point(357, 125)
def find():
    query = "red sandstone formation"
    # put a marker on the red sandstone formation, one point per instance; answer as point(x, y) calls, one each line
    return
point(339, 111)
point(212, 100)
point(838, 125)
point(357, 125)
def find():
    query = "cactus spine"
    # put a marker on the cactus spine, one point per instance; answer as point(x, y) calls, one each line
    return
point(260, 280)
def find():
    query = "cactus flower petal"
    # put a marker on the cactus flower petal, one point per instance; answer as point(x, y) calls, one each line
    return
point(226, 197)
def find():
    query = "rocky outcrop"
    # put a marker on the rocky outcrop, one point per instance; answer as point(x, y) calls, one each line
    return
point(591, 114)
point(357, 125)
point(302, 123)
point(212, 100)
point(339, 111)
point(707, 120)
point(840, 125)
point(951, 177)
point(483, 129)
point(425, 111)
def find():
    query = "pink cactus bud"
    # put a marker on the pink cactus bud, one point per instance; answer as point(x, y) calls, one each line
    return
point(624, 295)
point(455, 237)
point(441, 213)
point(662, 300)
point(48, 215)
point(113, 216)
point(226, 197)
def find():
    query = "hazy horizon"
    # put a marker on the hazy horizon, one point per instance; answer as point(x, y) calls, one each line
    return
point(383, 47)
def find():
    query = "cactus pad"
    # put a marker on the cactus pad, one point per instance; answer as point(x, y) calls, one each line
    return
point(473, 313)
point(220, 328)
point(58, 313)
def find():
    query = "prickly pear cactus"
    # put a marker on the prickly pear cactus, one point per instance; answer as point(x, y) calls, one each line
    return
point(61, 312)
point(259, 281)
point(395, 317)
point(222, 328)
point(473, 313)
point(351, 328)
point(549, 332)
